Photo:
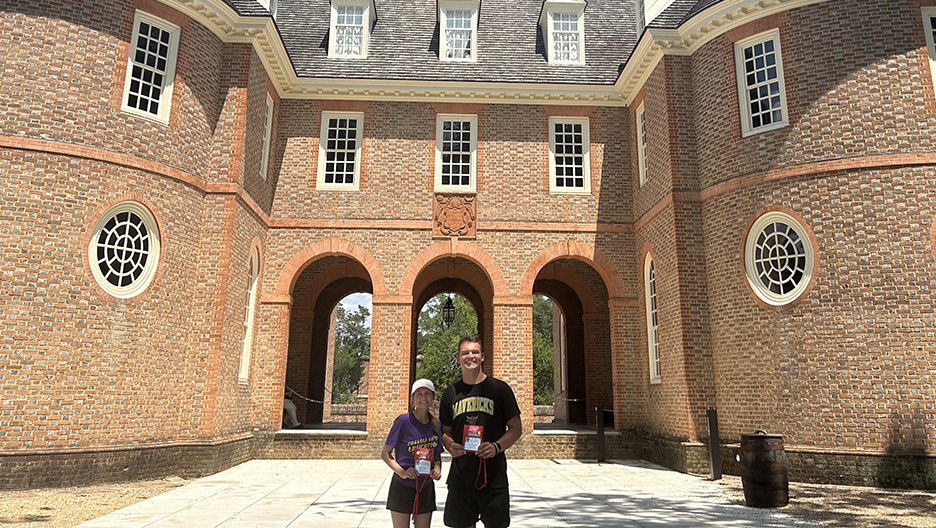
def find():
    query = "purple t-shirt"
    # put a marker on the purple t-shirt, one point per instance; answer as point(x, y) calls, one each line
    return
point(405, 436)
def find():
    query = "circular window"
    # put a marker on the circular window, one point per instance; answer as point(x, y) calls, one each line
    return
point(778, 258)
point(124, 249)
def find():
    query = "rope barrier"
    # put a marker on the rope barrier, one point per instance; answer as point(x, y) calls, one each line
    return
point(303, 397)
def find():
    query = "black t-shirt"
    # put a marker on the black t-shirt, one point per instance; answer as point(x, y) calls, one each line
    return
point(490, 404)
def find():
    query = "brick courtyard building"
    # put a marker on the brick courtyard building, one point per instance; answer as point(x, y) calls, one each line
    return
point(731, 203)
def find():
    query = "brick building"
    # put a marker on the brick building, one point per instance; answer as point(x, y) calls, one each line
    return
point(730, 201)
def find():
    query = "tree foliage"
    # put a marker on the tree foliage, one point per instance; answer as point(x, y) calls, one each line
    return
point(437, 343)
point(352, 342)
point(543, 391)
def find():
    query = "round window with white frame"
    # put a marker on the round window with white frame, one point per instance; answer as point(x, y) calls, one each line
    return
point(778, 258)
point(124, 249)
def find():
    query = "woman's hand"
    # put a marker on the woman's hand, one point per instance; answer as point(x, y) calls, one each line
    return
point(408, 473)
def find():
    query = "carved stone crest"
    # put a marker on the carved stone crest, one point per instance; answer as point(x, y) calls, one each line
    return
point(454, 216)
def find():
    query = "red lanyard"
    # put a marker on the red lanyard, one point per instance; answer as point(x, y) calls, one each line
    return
point(482, 465)
point(416, 500)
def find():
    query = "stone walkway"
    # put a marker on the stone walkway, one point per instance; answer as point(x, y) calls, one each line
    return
point(352, 493)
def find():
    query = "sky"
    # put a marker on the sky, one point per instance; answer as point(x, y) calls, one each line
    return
point(354, 300)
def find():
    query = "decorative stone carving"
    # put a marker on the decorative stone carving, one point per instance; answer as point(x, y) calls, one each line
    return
point(454, 216)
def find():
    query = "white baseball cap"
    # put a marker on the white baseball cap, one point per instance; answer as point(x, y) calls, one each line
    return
point(420, 383)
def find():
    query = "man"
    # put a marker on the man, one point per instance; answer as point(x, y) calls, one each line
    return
point(477, 480)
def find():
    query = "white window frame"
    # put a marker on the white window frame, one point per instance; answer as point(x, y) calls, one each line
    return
point(323, 152)
point(752, 272)
point(473, 175)
point(165, 97)
point(653, 321)
point(930, 13)
point(121, 241)
point(560, 7)
point(641, 16)
point(367, 22)
point(270, 6)
point(642, 144)
point(744, 104)
point(243, 372)
point(267, 135)
point(444, 9)
point(586, 154)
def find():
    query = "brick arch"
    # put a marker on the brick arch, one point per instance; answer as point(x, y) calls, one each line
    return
point(452, 248)
point(574, 281)
point(578, 251)
point(329, 247)
point(353, 269)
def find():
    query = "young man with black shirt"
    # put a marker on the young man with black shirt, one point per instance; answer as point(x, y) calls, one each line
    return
point(477, 480)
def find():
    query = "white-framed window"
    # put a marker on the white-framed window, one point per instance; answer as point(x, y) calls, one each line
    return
point(150, 67)
point(778, 258)
point(267, 134)
point(351, 23)
point(641, 144)
point(249, 309)
point(124, 249)
point(563, 28)
point(458, 31)
point(761, 95)
point(653, 323)
point(339, 165)
point(641, 16)
point(569, 164)
point(929, 28)
point(456, 153)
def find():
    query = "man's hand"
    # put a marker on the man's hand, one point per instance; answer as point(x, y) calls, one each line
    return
point(487, 450)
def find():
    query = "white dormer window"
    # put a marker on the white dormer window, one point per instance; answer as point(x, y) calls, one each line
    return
point(563, 27)
point(351, 22)
point(458, 28)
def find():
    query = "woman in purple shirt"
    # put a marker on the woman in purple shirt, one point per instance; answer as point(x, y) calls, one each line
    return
point(412, 491)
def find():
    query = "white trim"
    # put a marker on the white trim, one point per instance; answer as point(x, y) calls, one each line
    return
point(653, 320)
point(803, 238)
point(152, 252)
point(267, 133)
point(367, 14)
point(355, 185)
point(586, 155)
point(930, 12)
point(253, 272)
point(269, 5)
point(563, 7)
point(642, 144)
point(744, 104)
point(444, 8)
point(168, 73)
point(473, 140)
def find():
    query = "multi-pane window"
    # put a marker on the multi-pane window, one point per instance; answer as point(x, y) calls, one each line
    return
point(653, 325)
point(778, 258)
point(247, 336)
point(565, 31)
point(458, 37)
point(456, 143)
point(124, 249)
point(267, 133)
point(642, 144)
point(151, 67)
point(760, 83)
point(340, 150)
point(569, 154)
point(641, 16)
point(563, 27)
point(929, 28)
point(349, 30)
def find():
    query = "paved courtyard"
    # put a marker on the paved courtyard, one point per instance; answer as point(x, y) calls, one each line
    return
point(352, 493)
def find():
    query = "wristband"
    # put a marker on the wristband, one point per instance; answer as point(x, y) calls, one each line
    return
point(497, 447)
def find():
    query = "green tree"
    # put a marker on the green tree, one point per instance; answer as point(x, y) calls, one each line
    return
point(543, 391)
point(438, 343)
point(352, 342)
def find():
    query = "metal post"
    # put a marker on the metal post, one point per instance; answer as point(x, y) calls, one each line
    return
point(601, 439)
point(714, 447)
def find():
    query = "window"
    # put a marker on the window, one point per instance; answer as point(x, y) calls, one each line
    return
point(350, 29)
point(456, 144)
point(150, 68)
point(569, 155)
point(458, 24)
point(247, 337)
point(653, 325)
point(641, 144)
point(929, 27)
point(778, 258)
point(339, 164)
point(641, 16)
point(124, 249)
point(267, 132)
point(760, 83)
point(564, 31)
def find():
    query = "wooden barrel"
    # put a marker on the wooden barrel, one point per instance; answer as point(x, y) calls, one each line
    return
point(764, 470)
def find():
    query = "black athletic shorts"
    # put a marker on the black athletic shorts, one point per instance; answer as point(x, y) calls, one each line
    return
point(401, 497)
point(465, 505)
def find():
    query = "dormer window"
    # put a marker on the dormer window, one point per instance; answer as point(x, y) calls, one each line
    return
point(351, 22)
point(270, 6)
point(563, 28)
point(458, 28)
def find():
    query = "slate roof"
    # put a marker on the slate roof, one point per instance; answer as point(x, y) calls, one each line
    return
point(404, 43)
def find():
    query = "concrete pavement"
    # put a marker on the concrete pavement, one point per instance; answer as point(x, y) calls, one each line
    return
point(352, 493)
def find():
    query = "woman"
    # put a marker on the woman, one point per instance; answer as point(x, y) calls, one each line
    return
point(414, 441)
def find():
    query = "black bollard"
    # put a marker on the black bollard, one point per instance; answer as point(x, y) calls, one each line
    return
point(601, 439)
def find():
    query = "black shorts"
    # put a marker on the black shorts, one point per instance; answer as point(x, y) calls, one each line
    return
point(465, 504)
point(401, 497)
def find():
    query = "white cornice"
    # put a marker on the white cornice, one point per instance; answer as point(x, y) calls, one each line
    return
point(261, 33)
